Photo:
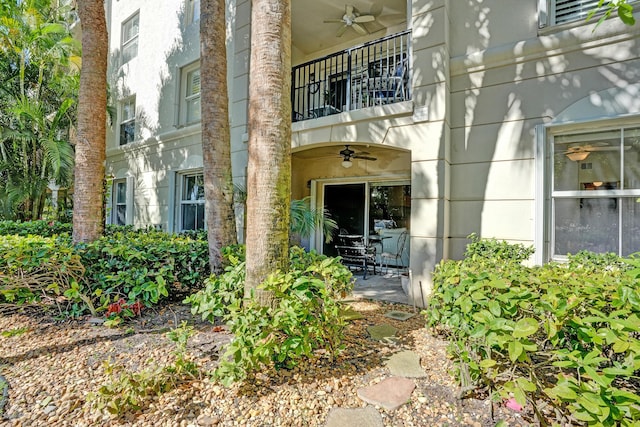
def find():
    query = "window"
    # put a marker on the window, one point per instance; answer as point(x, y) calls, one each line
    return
point(556, 12)
point(192, 202)
point(119, 204)
point(595, 192)
point(128, 121)
point(193, 11)
point(191, 94)
point(130, 29)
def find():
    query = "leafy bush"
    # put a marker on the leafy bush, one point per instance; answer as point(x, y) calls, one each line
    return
point(144, 265)
point(221, 291)
point(35, 228)
point(304, 317)
point(135, 265)
point(495, 251)
point(561, 335)
point(34, 268)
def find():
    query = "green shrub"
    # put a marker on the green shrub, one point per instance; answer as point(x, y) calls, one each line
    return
point(496, 251)
point(35, 228)
point(34, 268)
point(144, 265)
point(564, 335)
point(135, 265)
point(221, 291)
point(304, 317)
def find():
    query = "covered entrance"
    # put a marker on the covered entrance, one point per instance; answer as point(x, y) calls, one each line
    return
point(379, 210)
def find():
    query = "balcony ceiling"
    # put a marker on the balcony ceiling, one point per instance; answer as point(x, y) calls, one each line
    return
point(311, 34)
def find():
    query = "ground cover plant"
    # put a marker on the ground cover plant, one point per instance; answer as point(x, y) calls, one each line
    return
point(130, 390)
point(116, 275)
point(304, 318)
point(561, 339)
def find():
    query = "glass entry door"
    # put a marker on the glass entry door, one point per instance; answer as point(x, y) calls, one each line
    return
point(346, 204)
point(377, 208)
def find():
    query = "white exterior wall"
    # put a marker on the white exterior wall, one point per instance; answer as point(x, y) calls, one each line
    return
point(483, 78)
point(165, 146)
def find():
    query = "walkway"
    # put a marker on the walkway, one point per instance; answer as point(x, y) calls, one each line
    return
point(380, 287)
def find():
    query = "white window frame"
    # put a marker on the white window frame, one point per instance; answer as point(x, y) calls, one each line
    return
point(127, 118)
point(190, 200)
point(547, 195)
point(118, 202)
point(547, 13)
point(113, 202)
point(187, 97)
point(192, 8)
point(129, 38)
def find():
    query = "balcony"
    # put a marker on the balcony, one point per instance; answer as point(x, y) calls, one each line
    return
point(374, 73)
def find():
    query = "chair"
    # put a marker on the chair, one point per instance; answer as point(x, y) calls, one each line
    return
point(388, 88)
point(395, 256)
point(356, 253)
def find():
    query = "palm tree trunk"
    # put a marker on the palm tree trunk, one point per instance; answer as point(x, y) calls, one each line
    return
point(216, 139)
point(269, 167)
point(92, 118)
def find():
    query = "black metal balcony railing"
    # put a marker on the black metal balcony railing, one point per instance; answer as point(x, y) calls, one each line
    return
point(374, 73)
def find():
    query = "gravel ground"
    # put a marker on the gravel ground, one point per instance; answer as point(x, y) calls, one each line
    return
point(52, 366)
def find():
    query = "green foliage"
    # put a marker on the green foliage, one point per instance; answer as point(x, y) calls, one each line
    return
point(221, 291)
point(34, 268)
point(495, 251)
point(144, 265)
point(305, 316)
point(38, 87)
point(138, 266)
point(37, 228)
point(15, 332)
point(304, 220)
point(129, 391)
point(183, 366)
point(623, 9)
point(563, 334)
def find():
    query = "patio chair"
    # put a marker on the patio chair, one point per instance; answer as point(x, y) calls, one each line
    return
point(395, 256)
point(355, 252)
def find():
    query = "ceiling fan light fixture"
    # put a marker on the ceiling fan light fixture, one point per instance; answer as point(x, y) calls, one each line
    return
point(347, 164)
point(577, 156)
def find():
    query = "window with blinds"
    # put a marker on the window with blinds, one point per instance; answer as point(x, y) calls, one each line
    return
point(557, 12)
point(193, 96)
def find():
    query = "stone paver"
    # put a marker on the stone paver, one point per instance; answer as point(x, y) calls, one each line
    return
point(356, 417)
point(406, 364)
point(351, 314)
point(389, 394)
point(399, 315)
point(382, 332)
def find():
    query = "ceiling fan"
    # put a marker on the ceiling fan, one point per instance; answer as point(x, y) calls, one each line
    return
point(352, 19)
point(348, 154)
point(581, 152)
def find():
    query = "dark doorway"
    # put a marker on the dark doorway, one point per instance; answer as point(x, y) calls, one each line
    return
point(337, 95)
point(346, 204)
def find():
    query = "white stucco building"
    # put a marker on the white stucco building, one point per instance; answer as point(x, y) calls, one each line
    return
point(513, 120)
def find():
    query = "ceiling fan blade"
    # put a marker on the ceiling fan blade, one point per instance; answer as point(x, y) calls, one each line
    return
point(374, 26)
point(360, 29)
point(357, 156)
point(364, 18)
point(333, 21)
point(341, 30)
point(348, 9)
